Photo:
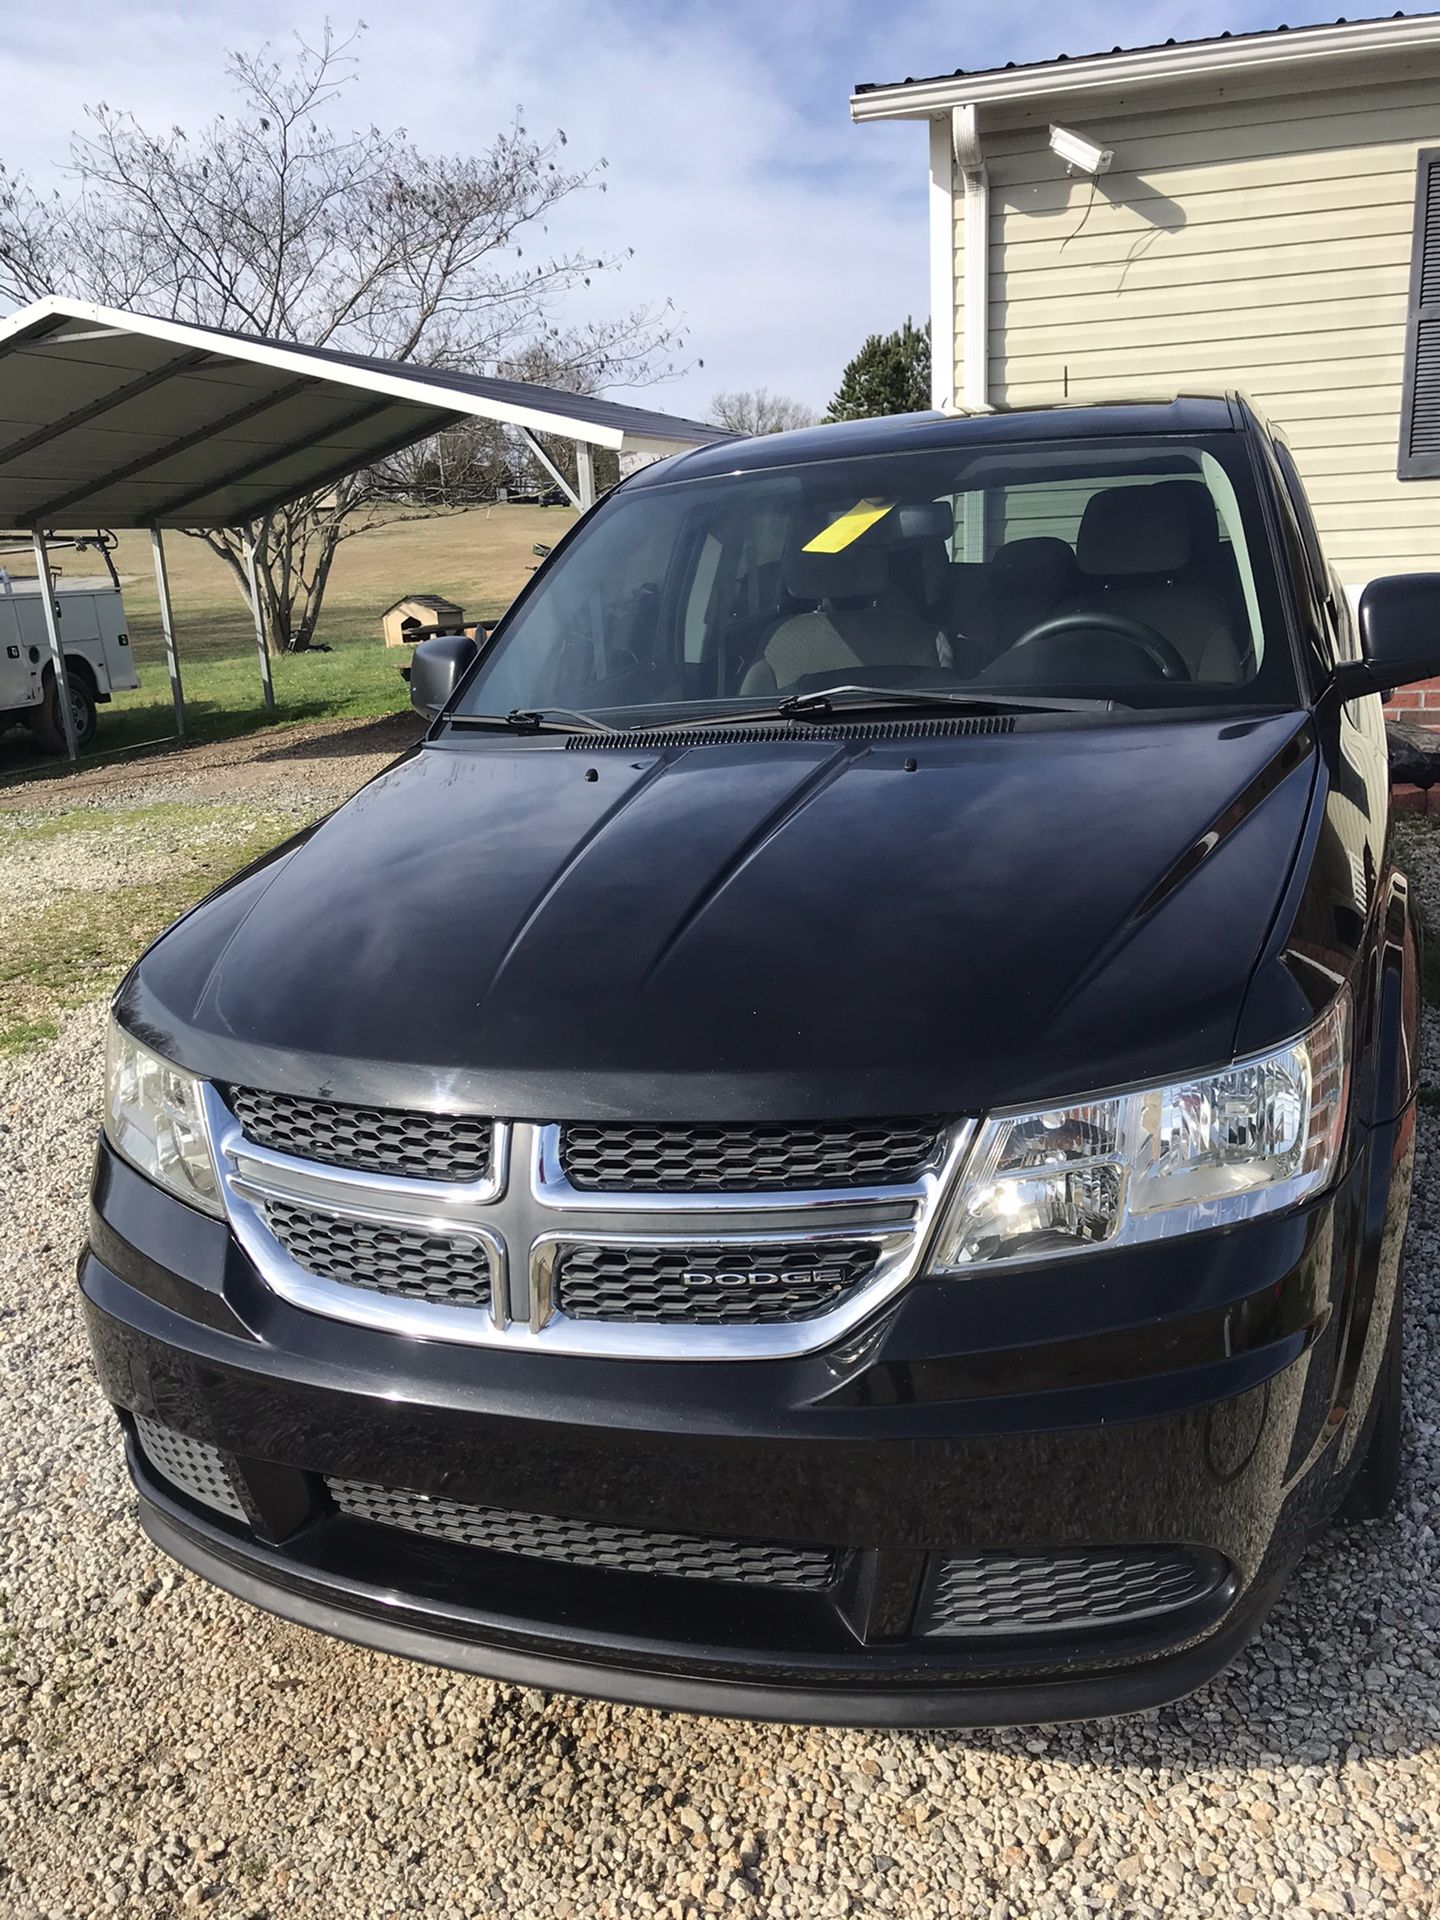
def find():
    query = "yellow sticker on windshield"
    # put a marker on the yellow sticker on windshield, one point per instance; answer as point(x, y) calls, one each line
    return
point(849, 527)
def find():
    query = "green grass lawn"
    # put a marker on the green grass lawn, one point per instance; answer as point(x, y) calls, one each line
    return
point(73, 942)
point(479, 557)
point(223, 694)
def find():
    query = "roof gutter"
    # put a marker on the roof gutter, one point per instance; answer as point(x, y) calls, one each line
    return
point(1204, 60)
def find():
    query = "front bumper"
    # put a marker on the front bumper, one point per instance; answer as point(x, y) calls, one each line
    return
point(947, 1426)
point(819, 1691)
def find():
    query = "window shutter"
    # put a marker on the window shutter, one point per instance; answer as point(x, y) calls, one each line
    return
point(1420, 406)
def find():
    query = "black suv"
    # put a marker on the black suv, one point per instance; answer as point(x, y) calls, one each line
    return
point(835, 1143)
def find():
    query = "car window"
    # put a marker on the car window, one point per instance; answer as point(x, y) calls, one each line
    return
point(1304, 518)
point(1135, 568)
point(1319, 633)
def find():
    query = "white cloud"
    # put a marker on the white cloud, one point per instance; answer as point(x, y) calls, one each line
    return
point(783, 233)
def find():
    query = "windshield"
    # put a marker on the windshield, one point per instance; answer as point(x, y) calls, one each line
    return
point(1134, 570)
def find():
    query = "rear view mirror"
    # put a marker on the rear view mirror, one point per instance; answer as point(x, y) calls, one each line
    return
point(925, 520)
point(1399, 624)
point(436, 669)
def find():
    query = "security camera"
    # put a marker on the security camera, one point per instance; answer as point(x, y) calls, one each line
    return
point(1078, 153)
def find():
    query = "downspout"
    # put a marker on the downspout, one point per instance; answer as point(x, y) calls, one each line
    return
point(975, 316)
point(942, 265)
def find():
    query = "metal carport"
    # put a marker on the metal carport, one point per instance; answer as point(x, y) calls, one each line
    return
point(117, 419)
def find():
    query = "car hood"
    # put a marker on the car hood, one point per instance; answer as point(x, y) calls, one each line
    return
point(763, 929)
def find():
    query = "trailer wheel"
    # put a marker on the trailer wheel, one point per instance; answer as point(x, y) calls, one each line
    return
point(47, 723)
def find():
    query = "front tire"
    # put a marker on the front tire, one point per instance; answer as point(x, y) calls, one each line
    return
point(47, 722)
point(1372, 1492)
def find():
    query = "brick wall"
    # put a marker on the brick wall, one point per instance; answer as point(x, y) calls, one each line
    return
point(1418, 704)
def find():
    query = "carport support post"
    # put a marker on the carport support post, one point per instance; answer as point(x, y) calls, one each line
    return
point(585, 472)
point(167, 628)
point(259, 618)
point(52, 634)
point(554, 472)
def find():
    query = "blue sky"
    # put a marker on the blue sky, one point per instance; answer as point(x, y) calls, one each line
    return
point(783, 232)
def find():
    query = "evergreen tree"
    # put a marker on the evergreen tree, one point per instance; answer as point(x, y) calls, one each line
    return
point(890, 374)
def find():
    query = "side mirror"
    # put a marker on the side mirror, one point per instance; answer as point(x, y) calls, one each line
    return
point(1399, 634)
point(436, 669)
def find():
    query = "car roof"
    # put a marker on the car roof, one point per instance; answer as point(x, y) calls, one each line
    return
point(921, 432)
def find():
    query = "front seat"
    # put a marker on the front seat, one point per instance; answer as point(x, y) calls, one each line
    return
point(1212, 560)
point(846, 629)
point(1029, 580)
point(1134, 550)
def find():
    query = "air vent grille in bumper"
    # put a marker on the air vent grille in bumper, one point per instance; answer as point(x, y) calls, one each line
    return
point(195, 1467)
point(419, 1146)
point(740, 1159)
point(588, 1543)
point(997, 1593)
point(450, 1268)
point(709, 1285)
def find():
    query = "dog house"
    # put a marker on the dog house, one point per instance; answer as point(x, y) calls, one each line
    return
point(418, 616)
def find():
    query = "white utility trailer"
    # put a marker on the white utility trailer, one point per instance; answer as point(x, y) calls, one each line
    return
point(95, 639)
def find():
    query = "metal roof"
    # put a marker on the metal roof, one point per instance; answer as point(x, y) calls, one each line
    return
point(119, 419)
point(1278, 42)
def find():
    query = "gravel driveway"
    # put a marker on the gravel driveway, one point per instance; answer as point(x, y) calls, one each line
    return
point(164, 1749)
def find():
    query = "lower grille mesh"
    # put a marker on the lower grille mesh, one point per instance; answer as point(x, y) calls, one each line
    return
point(995, 1593)
point(708, 1285)
point(194, 1466)
point(448, 1269)
point(588, 1543)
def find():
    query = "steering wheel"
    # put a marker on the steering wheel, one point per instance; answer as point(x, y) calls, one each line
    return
point(1156, 648)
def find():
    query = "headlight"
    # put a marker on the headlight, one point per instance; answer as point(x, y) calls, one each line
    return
point(153, 1119)
point(1203, 1152)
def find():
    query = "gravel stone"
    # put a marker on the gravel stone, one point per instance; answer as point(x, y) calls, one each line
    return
point(165, 1749)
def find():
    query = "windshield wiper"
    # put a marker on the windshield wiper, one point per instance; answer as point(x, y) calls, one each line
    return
point(824, 704)
point(534, 720)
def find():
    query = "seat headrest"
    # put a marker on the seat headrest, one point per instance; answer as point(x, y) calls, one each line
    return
point(1200, 514)
point(857, 572)
point(1143, 529)
point(1040, 561)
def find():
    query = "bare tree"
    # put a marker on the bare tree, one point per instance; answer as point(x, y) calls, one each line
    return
point(756, 411)
point(472, 461)
point(272, 221)
point(461, 466)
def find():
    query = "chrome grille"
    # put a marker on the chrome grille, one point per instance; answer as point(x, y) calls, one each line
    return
point(996, 1593)
point(194, 1466)
point(523, 1256)
point(588, 1543)
point(720, 1159)
point(700, 1285)
point(418, 1146)
point(450, 1269)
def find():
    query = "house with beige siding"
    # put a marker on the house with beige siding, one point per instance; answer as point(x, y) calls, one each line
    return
point(1259, 211)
